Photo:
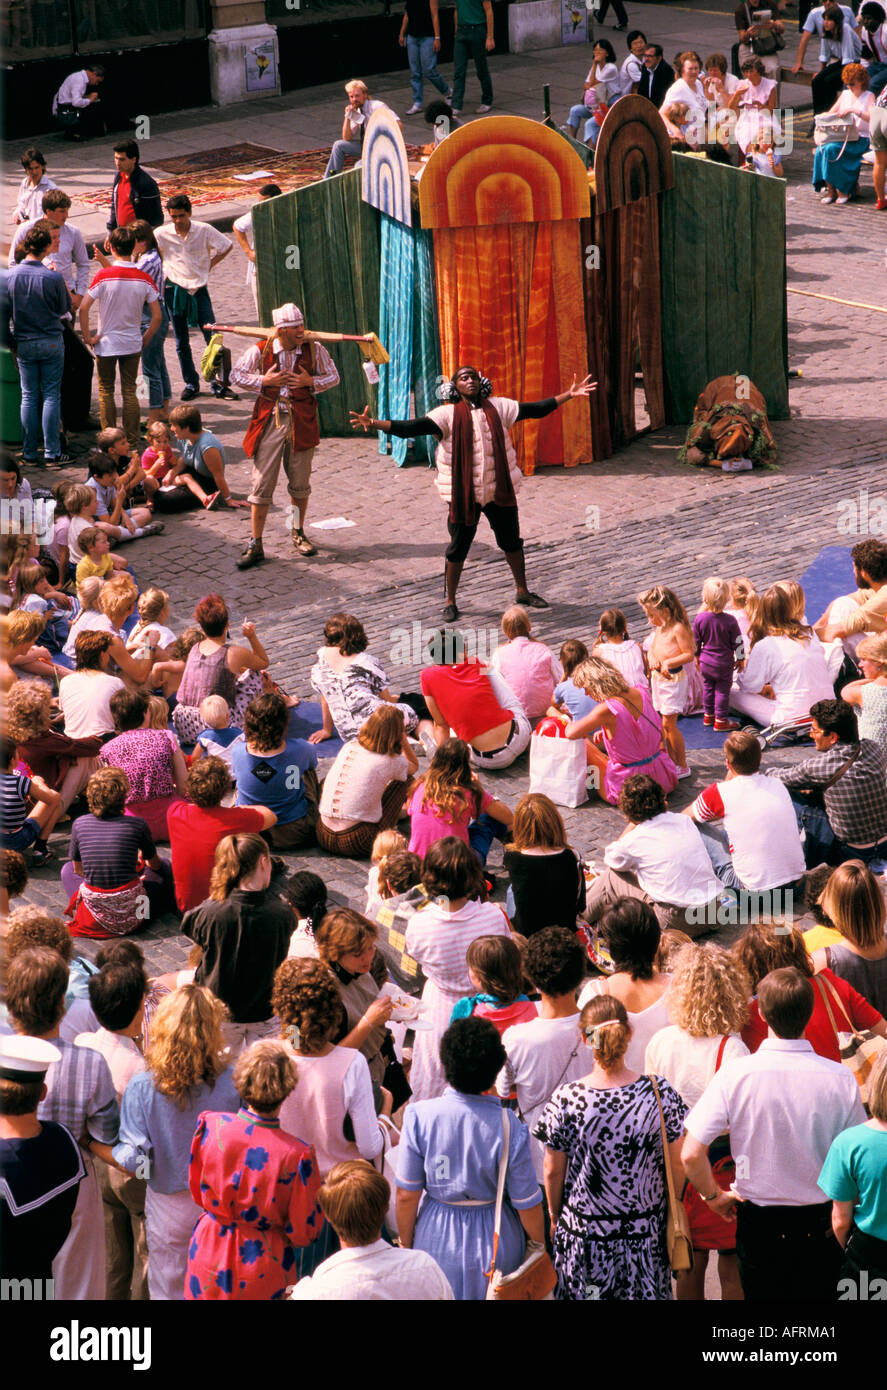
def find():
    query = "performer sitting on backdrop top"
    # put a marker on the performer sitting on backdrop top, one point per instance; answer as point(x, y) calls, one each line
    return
point(477, 469)
point(286, 373)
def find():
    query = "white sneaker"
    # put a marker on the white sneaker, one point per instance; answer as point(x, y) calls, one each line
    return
point(481, 110)
point(684, 772)
point(415, 108)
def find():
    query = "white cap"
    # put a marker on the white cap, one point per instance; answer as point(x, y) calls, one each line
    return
point(26, 1059)
point(287, 316)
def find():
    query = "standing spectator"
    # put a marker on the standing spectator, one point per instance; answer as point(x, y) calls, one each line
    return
point(39, 299)
point(41, 1167)
point(850, 775)
point(121, 291)
point(466, 1127)
point(354, 1199)
point(605, 1168)
point(256, 1184)
point(286, 373)
point(438, 938)
point(188, 1072)
point(420, 35)
point(718, 647)
point(244, 932)
point(632, 935)
point(196, 827)
point(190, 251)
point(358, 111)
point(473, 23)
point(243, 231)
point(117, 996)
point(618, 9)
point(29, 203)
point(135, 196)
point(80, 1096)
point(547, 1052)
point(854, 1175)
point(79, 111)
point(783, 1106)
point(154, 348)
point(758, 848)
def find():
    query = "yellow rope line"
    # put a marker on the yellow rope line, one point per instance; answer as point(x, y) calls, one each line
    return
point(852, 303)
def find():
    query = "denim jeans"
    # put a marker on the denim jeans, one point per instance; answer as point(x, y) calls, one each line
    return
point(715, 840)
point(154, 361)
point(41, 362)
point(471, 43)
point(482, 832)
point(341, 149)
point(423, 63)
point(180, 327)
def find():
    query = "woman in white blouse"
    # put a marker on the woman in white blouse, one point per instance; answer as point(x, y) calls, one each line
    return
point(786, 671)
point(836, 165)
point(688, 87)
point(603, 73)
point(708, 1005)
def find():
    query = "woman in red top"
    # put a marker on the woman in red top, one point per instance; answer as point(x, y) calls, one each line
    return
point(474, 701)
point(766, 946)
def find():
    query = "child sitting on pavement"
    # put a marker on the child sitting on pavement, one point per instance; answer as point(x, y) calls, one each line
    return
point(111, 515)
point(216, 739)
point(97, 562)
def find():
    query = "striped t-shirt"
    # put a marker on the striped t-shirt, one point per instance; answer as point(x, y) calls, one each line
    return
point(108, 849)
point(14, 789)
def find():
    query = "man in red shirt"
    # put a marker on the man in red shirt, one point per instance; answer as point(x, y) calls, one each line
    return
point(134, 196)
point(474, 701)
point(195, 830)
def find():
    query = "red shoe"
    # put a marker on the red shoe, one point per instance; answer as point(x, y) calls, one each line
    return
point(708, 720)
point(881, 205)
point(726, 726)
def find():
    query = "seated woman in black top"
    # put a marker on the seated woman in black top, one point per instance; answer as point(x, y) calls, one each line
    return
point(547, 879)
point(244, 932)
point(477, 470)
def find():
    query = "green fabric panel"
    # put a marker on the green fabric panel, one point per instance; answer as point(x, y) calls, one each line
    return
point(319, 248)
point(722, 240)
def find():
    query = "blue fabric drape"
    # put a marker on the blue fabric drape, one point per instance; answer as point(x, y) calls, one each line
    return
point(396, 329)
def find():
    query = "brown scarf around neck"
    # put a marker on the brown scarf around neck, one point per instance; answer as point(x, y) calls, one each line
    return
point(464, 506)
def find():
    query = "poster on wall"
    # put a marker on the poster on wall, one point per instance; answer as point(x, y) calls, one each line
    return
point(574, 21)
point(261, 69)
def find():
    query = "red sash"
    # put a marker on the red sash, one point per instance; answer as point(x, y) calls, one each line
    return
point(302, 409)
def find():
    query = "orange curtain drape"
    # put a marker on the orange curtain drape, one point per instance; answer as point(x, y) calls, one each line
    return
point(510, 301)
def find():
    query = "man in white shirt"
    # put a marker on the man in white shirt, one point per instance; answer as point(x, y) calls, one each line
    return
point(660, 859)
point(549, 1051)
point(783, 1107)
point(117, 995)
point(243, 231)
point(758, 849)
point(358, 111)
point(78, 110)
point(190, 250)
point(121, 290)
point(354, 1199)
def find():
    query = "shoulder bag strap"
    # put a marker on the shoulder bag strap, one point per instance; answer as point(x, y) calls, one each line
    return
point(720, 1057)
point(500, 1191)
point(672, 1197)
point(850, 761)
point(827, 988)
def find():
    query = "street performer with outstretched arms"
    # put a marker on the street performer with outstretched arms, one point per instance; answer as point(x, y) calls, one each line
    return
point(286, 372)
point(477, 471)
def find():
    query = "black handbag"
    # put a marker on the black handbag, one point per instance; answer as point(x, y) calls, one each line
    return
point(67, 115)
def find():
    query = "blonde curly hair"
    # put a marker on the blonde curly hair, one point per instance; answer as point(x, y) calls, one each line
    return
point(187, 1047)
point(28, 710)
point(710, 991)
point(600, 679)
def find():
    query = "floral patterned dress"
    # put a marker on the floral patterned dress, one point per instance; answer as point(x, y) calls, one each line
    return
point(609, 1242)
point(258, 1189)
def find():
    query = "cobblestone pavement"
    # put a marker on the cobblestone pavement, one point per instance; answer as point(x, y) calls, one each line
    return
point(594, 535)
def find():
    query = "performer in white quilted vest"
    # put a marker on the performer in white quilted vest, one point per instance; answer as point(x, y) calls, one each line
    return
point(477, 470)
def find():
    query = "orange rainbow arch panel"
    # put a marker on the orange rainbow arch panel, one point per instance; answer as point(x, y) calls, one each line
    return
point(385, 173)
point(523, 172)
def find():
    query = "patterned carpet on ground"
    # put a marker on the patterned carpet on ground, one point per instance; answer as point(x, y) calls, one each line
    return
point(218, 185)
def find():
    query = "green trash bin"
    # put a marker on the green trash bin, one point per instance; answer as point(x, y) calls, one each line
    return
point(10, 399)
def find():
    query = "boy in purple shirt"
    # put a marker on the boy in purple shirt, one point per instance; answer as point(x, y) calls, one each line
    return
point(719, 646)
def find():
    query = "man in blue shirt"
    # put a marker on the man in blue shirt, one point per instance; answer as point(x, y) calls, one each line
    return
point(39, 298)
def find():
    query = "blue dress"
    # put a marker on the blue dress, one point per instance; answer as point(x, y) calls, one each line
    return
point(450, 1147)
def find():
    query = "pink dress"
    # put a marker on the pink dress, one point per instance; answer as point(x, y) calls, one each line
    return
point(636, 746)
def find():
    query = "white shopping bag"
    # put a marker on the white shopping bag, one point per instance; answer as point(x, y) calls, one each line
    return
point(558, 769)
